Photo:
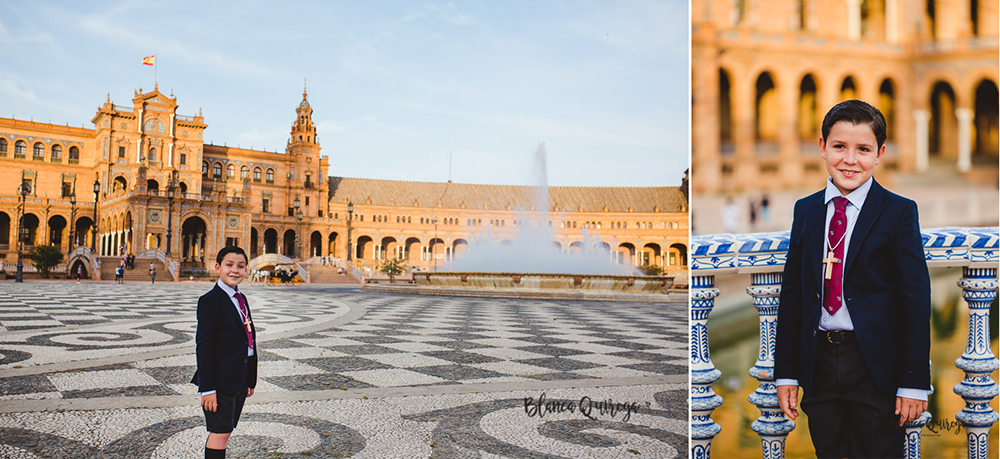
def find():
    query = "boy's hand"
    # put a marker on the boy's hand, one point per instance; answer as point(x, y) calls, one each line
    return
point(249, 392)
point(788, 400)
point(209, 402)
point(909, 409)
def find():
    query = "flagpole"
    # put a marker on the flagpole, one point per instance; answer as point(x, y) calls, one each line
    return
point(155, 82)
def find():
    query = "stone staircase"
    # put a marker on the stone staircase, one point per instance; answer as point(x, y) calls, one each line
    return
point(319, 274)
point(139, 274)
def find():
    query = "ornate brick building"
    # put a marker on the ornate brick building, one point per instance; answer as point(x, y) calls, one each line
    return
point(765, 73)
point(161, 190)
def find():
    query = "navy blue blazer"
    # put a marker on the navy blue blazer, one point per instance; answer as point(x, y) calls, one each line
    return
point(886, 290)
point(221, 346)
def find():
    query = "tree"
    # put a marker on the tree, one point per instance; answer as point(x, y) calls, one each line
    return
point(45, 257)
point(652, 270)
point(392, 268)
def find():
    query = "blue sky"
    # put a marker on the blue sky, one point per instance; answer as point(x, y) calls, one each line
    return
point(396, 86)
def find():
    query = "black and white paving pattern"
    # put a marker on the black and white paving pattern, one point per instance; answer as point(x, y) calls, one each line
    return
point(102, 370)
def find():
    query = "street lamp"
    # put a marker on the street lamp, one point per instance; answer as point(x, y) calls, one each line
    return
point(433, 252)
point(171, 186)
point(72, 218)
point(93, 238)
point(298, 228)
point(23, 194)
point(350, 217)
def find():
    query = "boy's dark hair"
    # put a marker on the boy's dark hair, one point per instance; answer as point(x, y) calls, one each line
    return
point(228, 250)
point(856, 112)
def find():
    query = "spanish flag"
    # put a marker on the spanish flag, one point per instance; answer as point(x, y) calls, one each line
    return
point(149, 60)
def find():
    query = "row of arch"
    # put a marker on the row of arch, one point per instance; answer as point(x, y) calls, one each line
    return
point(56, 228)
point(414, 249)
point(38, 150)
point(231, 172)
point(942, 102)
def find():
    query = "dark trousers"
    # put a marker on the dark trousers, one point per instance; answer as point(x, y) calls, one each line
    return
point(848, 415)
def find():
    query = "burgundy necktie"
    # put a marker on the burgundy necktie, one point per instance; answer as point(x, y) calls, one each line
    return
point(246, 317)
point(833, 287)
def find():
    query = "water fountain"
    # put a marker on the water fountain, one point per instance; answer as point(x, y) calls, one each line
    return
point(532, 265)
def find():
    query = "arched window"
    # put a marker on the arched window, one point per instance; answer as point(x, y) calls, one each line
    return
point(20, 148)
point(217, 170)
point(204, 168)
point(38, 151)
point(56, 152)
point(244, 173)
point(3, 145)
point(74, 154)
point(256, 174)
point(152, 155)
point(230, 171)
point(270, 175)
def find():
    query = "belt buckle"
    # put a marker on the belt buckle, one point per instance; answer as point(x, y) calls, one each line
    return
point(839, 334)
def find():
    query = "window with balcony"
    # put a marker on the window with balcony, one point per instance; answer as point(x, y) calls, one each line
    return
point(38, 151)
point(256, 174)
point(265, 206)
point(230, 171)
point(74, 155)
point(121, 152)
point(20, 149)
point(217, 170)
point(56, 153)
point(270, 176)
point(244, 173)
point(3, 147)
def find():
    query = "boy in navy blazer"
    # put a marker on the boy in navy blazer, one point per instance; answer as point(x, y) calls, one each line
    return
point(226, 350)
point(854, 314)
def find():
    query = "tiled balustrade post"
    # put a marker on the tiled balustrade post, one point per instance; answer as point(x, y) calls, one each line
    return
point(705, 264)
point(703, 372)
point(772, 425)
point(976, 250)
point(979, 287)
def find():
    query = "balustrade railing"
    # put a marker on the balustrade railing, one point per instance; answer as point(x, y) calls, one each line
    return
point(762, 255)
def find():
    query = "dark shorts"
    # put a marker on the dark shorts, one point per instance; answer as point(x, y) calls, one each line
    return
point(227, 414)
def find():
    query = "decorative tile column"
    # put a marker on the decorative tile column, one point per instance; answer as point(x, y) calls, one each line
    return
point(763, 256)
point(710, 255)
point(703, 372)
point(772, 425)
point(979, 287)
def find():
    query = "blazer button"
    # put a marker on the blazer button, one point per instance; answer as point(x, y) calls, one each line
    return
point(814, 333)
point(246, 360)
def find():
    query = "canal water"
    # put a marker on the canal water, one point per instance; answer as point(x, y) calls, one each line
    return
point(733, 339)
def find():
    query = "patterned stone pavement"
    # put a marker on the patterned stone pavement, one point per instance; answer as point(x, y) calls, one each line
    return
point(101, 370)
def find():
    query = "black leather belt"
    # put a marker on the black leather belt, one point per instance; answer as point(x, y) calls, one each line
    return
point(839, 336)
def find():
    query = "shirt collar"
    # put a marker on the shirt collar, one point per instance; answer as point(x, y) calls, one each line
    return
point(856, 197)
point(225, 288)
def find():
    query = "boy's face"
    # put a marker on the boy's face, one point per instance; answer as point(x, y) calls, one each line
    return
point(232, 269)
point(851, 153)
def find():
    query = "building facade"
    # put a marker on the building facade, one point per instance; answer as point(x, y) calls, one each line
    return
point(765, 73)
point(151, 184)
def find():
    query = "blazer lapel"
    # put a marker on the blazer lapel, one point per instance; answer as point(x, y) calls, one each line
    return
point(227, 304)
point(869, 213)
point(815, 232)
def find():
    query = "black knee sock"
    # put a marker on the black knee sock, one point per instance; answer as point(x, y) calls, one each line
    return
point(215, 453)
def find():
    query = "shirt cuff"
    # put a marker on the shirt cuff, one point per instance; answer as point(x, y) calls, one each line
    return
point(916, 394)
point(787, 382)
point(207, 393)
